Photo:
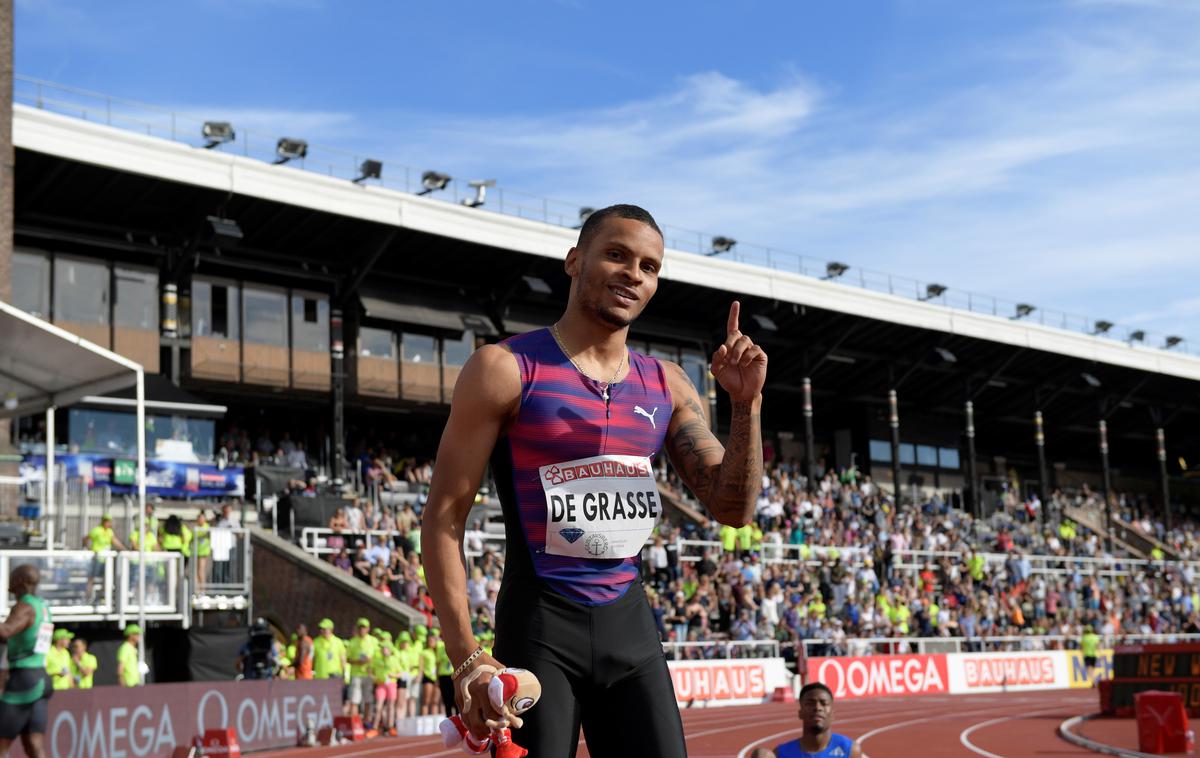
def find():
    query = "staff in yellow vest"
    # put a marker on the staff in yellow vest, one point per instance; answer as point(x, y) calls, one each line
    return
point(202, 548)
point(58, 661)
point(430, 695)
point(408, 676)
point(83, 664)
point(329, 654)
point(129, 673)
point(444, 671)
point(359, 652)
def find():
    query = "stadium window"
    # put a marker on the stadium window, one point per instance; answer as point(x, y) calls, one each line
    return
point(376, 343)
point(418, 348)
point(214, 310)
point(265, 315)
point(927, 456)
point(695, 365)
point(881, 451)
point(31, 283)
point(908, 455)
point(136, 303)
point(80, 291)
point(664, 353)
point(948, 458)
point(456, 352)
point(310, 323)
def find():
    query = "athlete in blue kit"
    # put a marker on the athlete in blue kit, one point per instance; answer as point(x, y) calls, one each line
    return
point(817, 741)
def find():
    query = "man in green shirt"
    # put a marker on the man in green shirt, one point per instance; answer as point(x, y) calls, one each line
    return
point(100, 540)
point(58, 660)
point(24, 705)
point(129, 673)
point(329, 654)
point(1089, 645)
point(408, 676)
point(359, 651)
point(83, 664)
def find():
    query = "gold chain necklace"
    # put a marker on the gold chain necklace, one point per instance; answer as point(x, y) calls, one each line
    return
point(566, 352)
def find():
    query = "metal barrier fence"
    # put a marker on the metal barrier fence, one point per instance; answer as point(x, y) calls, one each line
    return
point(80, 585)
point(861, 646)
point(224, 579)
point(161, 122)
point(678, 651)
point(320, 542)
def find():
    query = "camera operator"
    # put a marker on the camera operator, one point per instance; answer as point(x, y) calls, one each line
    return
point(257, 658)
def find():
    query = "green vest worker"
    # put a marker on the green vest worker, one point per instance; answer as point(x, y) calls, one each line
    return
point(28, 631)
point(129, 672)
point(58, 661)
point(83, 664)
point(1089, 645)
point(329, 655)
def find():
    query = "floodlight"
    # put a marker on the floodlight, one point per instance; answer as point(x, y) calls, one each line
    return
point(934, 290)
point(1090, 379)
point(537, 285)
point(721, 245)
point(290, 149)
point(765, 322)
point(432, 181)
point(1137, 336)
point(217, 133)
point(225, 227)
point(1172, 341)
point(480, 186)
point(1102, 327)
point(370, 169)
point(834, 269)
point(946, 355)
point(1023, 310)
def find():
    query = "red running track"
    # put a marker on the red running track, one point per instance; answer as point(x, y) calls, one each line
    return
point(1012, 725)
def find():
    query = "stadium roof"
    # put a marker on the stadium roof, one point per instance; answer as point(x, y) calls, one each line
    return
point(42, 366)
point(394, 257)
point(86, 142)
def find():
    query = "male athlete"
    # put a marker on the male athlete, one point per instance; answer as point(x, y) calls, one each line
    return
point(570, 419)
point(816, 741)
point(24, 705)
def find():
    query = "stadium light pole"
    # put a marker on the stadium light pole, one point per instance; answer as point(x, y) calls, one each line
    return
point(1108, 545)
point(971, 474)
point(1039, 437)
point(337, 357)
point(894, 422)
point(8, 466)
point(809, 437)
point(1160, 437)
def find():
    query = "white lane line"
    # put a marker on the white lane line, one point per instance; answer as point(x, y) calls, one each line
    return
point(901, 724)
point(966, 733)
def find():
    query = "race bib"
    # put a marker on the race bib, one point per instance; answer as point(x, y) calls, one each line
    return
point(44, 637)
point(600, 507)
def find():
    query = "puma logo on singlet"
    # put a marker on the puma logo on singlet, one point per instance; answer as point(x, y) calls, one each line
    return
point(642, 412)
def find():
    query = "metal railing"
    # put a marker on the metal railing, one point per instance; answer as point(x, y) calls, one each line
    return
point(682, 651)
point(161, 122)
point(224, 579)
point(773, 552)
point(861, 646)
point(80, 585)
point(1049, 565)
point(320, 542)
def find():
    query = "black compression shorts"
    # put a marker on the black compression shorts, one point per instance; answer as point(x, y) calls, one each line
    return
point(26, 718)
point(600, 667)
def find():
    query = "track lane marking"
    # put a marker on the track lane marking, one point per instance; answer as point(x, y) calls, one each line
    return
point(966, 733)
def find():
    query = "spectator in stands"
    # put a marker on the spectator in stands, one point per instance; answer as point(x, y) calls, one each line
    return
point(83, 664)
point(296, 458)
point(229, 518)
point(354, 517)
point(341, 560)
point(380, 553)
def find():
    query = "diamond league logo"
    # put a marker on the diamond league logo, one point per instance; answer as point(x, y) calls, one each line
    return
point(596, 544)
point(554, 475)
point(571, 533)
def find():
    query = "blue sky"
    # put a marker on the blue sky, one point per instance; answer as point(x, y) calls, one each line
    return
point(1044, 152)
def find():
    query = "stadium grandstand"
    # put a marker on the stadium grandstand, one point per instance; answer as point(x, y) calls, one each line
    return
point(946, 473)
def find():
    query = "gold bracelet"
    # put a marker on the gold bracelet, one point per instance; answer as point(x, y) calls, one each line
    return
point(463, 666)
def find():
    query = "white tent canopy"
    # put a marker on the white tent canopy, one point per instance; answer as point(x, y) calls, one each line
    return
point(42, 368)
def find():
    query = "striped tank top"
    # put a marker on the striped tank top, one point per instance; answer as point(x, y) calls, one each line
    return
point(574, 472)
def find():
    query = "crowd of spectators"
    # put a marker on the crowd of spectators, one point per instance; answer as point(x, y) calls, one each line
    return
point(831, 564)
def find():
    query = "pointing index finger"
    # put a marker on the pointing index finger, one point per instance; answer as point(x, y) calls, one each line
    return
point(734, 310)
